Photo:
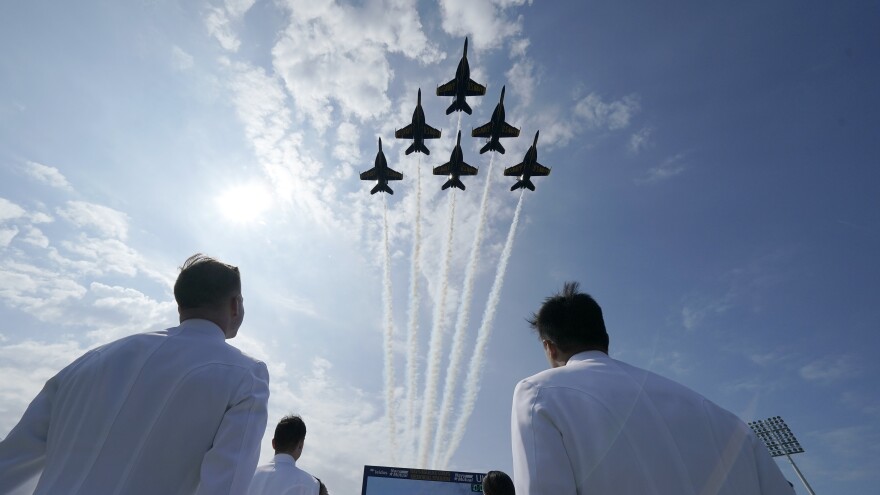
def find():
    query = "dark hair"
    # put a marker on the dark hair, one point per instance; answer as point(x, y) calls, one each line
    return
point(498, 483)
point(205, 281)
point(571, 320)
point(291, 430)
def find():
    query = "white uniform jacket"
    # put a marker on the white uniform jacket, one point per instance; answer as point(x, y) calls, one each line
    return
point(173, 412)
point(601, 426)
point(281, 477)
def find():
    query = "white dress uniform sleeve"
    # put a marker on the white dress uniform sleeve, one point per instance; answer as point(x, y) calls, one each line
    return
point(540, 463)
point(228, 467)
point(23, 451)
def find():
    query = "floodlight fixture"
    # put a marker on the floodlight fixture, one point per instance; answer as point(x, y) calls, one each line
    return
point(780, 441)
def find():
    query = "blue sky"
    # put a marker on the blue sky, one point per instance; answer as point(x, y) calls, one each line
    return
point(714, 186)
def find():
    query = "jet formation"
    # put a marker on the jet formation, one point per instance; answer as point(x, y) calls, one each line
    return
point(418, 131)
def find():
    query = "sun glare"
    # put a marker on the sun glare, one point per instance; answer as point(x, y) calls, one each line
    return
point(244, 203)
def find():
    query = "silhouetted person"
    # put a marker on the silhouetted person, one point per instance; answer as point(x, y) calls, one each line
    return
point(498, 483)
point(592, 424)
point(177, 411)
point(281, 476)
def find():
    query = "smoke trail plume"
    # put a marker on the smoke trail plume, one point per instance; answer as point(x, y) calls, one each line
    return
point(390, 409)
point(412, 338)
point(475, 369)
point(456, 353)
point(435, 349)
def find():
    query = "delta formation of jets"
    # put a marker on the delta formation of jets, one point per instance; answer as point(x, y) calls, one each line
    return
point(418, 131)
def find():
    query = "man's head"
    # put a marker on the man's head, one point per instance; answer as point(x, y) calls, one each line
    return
point(498, 483)
point(210, 289)
point(290, 436)
point(568, 323)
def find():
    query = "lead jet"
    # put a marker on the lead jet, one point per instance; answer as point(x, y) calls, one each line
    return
point(455, 167)
point(418, 130)
point(381, 173)
point(461, 86)
point(527, 168)
point(495, 129)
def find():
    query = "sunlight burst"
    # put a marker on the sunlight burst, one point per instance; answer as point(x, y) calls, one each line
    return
point(244, 203)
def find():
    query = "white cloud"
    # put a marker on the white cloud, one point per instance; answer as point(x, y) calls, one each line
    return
point(334, 54)
point(522, 80)
point(669, 168)
point(597, 113)
point(106, 221)
point(35, 237)
point(7, 234)
point(219, 21)
point(640, 140)
point(829, 369)
point(180, 59)
point(483, 21)
point(10, 210)
point(47, 175)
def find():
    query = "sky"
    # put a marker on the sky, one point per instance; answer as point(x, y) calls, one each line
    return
point(714, 186)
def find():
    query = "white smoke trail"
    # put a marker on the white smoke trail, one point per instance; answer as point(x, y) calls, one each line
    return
point(412, 338)
point(475, 369)
point(435, 349)
point(388, 309)
point(456, 353)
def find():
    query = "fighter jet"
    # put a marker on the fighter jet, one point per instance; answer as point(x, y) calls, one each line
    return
point(461, 86)
point(455, 168)
point(381, 173)
point(418, 130)
point(495, 129)
point(527, 168)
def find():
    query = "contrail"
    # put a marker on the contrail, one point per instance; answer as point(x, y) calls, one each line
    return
point(412, 338)
point(456, 354)
point(475, 369)
point(388, 309)
point(435, 349)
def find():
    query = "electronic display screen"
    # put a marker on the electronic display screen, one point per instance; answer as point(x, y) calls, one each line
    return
point(383, 480)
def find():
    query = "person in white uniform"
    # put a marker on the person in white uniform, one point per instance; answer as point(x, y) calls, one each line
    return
point(592, 424)
point(281, 476)
point(177, 411)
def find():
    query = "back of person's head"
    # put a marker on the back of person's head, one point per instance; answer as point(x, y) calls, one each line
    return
point(498, 483)
point(291, 430)
point(572, 320)
point(205, 282)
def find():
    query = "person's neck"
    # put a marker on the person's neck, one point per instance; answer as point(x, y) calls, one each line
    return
point(198, 314)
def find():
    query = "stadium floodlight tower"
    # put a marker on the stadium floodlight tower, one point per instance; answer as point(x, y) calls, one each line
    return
point(780, 441)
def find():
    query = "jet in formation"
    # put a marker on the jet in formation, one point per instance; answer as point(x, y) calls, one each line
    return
point(462, 86)
point(381, 173)
point(495, 129)
point(418, 130)
point(527, 168)
point(455, 167)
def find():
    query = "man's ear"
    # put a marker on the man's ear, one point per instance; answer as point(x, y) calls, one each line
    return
point(234, 306)
point(273, 444)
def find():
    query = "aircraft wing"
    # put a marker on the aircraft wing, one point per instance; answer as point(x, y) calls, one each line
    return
point(514, 171)
point(474, 88)
point(509, 131)
point(371, 174)
point(539, 170)
point(405, 133)
point(429, 132)
point(466, 169)
point(483, 131)
point(443, 169)
point(393, 174)
point(447, 89)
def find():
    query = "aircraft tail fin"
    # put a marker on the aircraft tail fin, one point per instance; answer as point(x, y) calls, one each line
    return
point(492, 145)
point(459, 106)
point(382, 188)
point(523, 183)
point(454, 182)
point(421, 148)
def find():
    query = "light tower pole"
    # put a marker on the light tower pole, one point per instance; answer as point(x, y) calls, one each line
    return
point(780, 441)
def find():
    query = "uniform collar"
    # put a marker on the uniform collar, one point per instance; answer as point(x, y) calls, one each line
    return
point(284, 459)
point(586, 356)
point(198, 326)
